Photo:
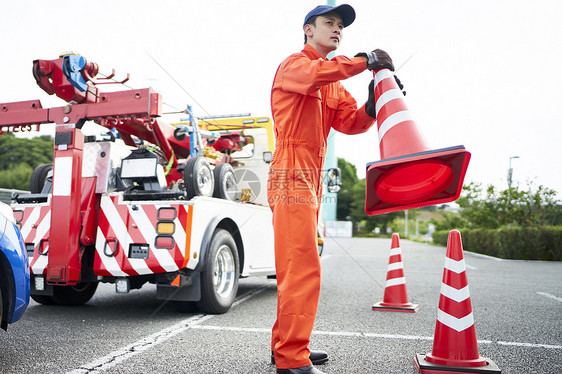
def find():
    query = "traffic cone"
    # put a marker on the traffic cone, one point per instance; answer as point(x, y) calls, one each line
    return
point(455, 349)
point(395, 295)
point(409, 174)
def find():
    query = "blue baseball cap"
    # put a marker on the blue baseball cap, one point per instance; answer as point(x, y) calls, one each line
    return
point(345, 11)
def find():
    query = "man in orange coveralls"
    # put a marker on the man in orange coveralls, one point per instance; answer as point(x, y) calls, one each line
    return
point(307, 100)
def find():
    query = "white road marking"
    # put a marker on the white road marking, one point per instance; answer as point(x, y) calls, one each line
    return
point(483, 256)
point(120, 355)
point(370, 335)
point(124, 353)
point(531, 345)
point(139, 346)
point(550, 296)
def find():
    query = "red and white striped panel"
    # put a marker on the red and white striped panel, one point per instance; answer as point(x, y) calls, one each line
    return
point(455, 341)
point(455, 308)
point(136, 223)
point(398, 132)
point(390, 107)
point(35, 226)
point(395, 268)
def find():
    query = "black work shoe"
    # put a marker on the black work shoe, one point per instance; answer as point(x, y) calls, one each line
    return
point(302, 370)
point(317, 357)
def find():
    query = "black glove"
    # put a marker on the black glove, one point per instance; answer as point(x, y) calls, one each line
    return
point(377, 59)
point(370, 107)
point(400, 85)
point(370, 104)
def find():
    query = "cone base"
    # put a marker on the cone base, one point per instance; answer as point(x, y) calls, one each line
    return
point(411, 308)
point(426, 367)
point(415, 180)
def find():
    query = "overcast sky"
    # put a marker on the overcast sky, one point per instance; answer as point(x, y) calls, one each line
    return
point(486, 74)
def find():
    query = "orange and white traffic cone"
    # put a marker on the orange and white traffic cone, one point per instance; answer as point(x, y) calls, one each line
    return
point(455, 349)
point(395, 295)
point(409, 174)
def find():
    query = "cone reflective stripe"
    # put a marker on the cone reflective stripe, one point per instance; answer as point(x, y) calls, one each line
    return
point(409, 174)
point(398, 133)
point(455, 348)
point(395, 295)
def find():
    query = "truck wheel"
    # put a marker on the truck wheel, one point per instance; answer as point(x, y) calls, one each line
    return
point(219, 280)
point(38, 177)
point(226, 185)
point(42, 299)
point(79, 294)
point(198, 177)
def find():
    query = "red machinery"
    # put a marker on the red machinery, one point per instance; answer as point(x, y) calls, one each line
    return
point(131, 112)
point(75, 204)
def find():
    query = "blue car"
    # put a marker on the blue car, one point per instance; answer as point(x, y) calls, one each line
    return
point(14, 269)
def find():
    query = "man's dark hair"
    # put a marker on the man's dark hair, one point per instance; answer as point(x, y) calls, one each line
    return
point(311, 21)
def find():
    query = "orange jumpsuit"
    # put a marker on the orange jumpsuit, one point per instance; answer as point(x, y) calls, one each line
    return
point(307, 100)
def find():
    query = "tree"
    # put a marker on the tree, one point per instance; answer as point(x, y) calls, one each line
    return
point(492, 209)
point(17, 177)
point(348, 180)
point(358, 214)
point(449, 221)
point(19, 156)
point(351, 201)
point(478, 211)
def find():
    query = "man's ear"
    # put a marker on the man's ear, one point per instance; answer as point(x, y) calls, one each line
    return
point(308, 30)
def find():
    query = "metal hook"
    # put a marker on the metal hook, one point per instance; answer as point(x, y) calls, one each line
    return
point(104, 80)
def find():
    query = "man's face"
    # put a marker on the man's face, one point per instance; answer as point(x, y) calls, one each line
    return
point(326, 35)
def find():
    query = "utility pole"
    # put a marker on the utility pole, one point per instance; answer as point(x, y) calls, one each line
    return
point(329, 201)
point(510, 172)
point(406, 223)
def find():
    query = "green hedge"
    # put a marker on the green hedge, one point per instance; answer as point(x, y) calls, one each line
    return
point(532, 243)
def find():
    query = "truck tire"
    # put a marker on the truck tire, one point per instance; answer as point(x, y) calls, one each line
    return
point(42, 299)
point(38, 177)
point(79, 294)
point(219, 279)
point(198, 177)
point(226, 185)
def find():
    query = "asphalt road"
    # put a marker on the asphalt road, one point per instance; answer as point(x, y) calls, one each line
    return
point(517, 310)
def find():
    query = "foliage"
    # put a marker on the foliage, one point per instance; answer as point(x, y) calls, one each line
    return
point(345, 196)
point(450, 221)
point(416, 227)
point(351, 202)
point(16, 177)
point(524, 243)
point(493, 209)
point(513, 223)
point(19, 156)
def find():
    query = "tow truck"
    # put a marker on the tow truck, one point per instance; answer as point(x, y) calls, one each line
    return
point(181, 206)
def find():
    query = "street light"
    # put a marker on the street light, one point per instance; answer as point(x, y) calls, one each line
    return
point(510, 171)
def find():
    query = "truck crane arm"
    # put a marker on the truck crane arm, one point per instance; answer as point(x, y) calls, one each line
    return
point(133, 113)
